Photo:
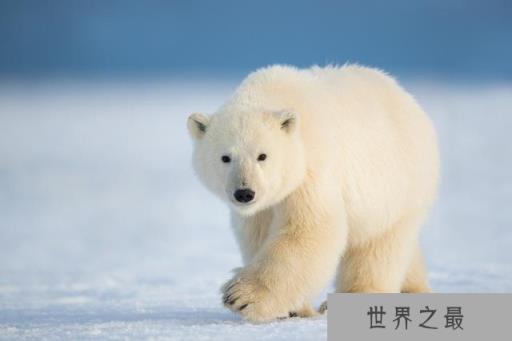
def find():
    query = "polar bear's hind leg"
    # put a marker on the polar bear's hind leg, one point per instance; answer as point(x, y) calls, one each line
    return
point(379, 265)
point(416, 280)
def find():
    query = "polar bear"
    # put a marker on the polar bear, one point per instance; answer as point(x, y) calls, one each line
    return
point(326, 170)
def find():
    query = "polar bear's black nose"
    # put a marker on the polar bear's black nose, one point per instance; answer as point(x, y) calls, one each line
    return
point(244, 195)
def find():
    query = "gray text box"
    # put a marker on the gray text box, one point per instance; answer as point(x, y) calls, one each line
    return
point(484, 317)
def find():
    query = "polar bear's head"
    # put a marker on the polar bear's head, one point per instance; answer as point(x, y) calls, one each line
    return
point(251, 160)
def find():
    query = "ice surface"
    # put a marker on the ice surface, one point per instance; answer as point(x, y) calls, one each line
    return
point(106, 234)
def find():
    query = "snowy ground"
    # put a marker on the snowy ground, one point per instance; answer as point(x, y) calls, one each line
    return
point(100, 235)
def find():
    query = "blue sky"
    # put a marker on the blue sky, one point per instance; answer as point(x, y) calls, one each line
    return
point(452, 38)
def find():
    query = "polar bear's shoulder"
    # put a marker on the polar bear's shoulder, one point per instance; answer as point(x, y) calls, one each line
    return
point(280, 73)
point(288, 84)
point(275, 75)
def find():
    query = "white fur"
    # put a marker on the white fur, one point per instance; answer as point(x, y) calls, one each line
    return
point(351, 173)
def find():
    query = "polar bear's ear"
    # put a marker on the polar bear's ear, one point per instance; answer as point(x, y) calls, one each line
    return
point(197, 124)
point(288, 121)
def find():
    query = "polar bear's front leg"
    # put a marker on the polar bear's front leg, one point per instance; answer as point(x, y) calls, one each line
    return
point(297, 260)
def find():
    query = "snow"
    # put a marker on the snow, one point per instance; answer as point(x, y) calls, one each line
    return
point(100, 235)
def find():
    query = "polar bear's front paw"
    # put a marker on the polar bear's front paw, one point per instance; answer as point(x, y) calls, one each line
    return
point(246, 295)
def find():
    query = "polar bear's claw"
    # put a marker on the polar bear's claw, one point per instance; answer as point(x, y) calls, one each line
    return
point(323, 308)
point(246, 295)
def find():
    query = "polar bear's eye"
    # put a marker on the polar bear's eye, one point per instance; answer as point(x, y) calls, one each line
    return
point(262, 157)
point(225, 159)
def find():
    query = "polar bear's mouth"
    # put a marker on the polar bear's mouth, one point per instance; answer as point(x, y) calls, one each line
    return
point(242, 204)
